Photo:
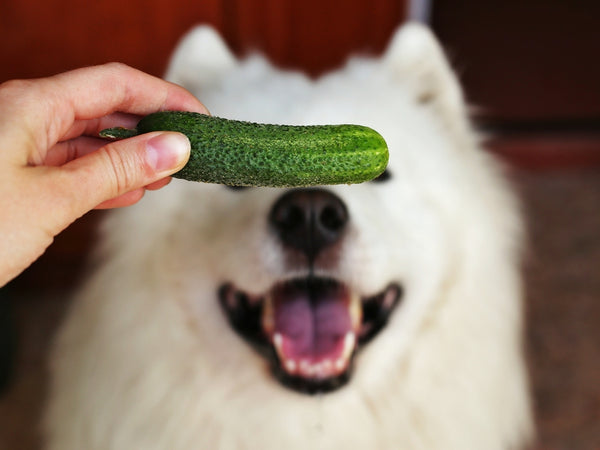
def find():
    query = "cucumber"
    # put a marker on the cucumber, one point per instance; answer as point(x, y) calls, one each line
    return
point(239, 153)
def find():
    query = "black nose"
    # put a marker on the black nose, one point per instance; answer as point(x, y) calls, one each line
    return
point(309, 220)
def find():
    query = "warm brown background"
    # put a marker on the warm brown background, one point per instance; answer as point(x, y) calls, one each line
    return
point(520, 59)
point(531, 67)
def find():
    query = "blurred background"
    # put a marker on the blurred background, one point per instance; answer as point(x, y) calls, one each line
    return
point(531, 71)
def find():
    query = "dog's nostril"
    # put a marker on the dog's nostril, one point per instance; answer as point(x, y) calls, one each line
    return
point(290, 218)
point(309, 219)
point(333, 218)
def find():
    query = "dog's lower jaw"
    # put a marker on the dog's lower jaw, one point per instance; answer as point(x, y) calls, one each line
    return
point(311, 385)
point(310, 329)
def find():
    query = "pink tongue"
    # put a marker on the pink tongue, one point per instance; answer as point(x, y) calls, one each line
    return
point(312, 319)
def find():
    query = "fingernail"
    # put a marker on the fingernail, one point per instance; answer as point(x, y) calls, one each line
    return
point(167, 151)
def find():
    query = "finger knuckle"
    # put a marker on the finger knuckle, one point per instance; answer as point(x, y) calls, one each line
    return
point(119, 170)
point(17, 93)
point(116, 66)
point(15, 86)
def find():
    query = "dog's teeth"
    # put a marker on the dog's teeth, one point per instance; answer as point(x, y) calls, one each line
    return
point(355, 310)
point(290, 366)
point(278, 343)
point(349, 342)
point(321, 369)
point(324, 368)
point(318, 369)
point(305, 367)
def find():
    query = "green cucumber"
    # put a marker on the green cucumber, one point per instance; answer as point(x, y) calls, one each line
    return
point(239, 153)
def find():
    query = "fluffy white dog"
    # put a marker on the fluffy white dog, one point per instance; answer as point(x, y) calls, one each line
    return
point(385, 315)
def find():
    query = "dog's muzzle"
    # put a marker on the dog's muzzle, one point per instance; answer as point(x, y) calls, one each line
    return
point(310, 327)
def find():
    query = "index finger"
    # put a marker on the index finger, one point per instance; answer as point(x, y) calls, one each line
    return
point(46, 109)
point(100, 90)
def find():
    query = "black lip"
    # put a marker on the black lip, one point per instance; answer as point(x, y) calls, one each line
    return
point(244, 315)
point(377, 311)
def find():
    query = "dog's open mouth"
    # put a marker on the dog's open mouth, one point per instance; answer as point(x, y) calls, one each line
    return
point(311, 328)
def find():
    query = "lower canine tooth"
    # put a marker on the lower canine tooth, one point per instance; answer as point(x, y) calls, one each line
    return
point(349, 342)
point(278, 343)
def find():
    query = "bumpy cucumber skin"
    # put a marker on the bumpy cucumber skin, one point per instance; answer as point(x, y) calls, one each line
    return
point(242, 153)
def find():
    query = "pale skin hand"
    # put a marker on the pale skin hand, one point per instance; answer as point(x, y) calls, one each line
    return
point(52, 167)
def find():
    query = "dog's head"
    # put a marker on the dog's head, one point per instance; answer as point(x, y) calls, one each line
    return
point(329, 283)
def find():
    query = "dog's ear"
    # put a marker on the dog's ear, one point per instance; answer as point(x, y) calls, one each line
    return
point(200, 59)
point(416, 58)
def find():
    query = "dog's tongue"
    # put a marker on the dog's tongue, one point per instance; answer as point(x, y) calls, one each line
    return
point(312, 327)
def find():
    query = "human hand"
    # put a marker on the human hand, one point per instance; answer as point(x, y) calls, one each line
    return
point(53, 168)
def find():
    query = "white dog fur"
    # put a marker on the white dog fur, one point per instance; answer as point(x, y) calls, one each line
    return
point(147, 360)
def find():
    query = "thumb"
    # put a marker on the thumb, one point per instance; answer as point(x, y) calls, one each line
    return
point(123, 166)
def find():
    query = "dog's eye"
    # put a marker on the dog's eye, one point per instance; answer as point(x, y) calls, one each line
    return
point(236, 188)
point(385, 176)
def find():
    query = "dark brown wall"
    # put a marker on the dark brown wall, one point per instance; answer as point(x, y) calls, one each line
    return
point(526, 60)
point(44, 37)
